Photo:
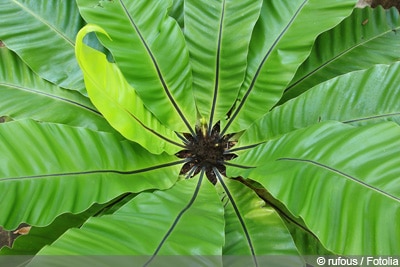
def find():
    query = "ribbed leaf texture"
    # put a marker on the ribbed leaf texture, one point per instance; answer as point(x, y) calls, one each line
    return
point(281, 41)
point(55, 161)
point(375, 100)
point(40, 32)
point(246, 217)
point(150, 50)
point(178, 222)
point(271, 182)
point(218, 58)
point(338, 181)
point(36, 97)
point(367, 37)
point(118, 101)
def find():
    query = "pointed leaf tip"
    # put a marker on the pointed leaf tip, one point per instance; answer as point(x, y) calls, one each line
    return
point(117, 100)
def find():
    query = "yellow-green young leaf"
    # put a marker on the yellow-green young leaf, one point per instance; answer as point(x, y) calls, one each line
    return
point(118, 101)
point(149, 48)
point(36, 97)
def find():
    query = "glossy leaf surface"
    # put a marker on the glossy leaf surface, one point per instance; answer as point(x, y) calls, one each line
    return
point(375, 100)
point(281, 41)
point(176, 218)
point(118, 101)
point(218, 57)
point(41, 100)
point(39, 33)
point(317, 174)
point(246, 219)
point(342, 180)
point(367, 37)
point(150, 50)
point(38, 237)
point(47, 163)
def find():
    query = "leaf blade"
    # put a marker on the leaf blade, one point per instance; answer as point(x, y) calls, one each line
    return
point(377, 38)
point(254, 229)
point(45, 162)
point(118, 101)
point(160, 72)
point(332, 165)
point(43, 24)
point(218, 51)
point(37, 96)
point(332, 100)
point(183, 208)
point(280, 43)
point(38, 237)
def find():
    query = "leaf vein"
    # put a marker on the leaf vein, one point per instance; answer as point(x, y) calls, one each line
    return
point(158, 70)
point(51, 27)
point(147, 169)
point(253, 81)
point(338, 56)
point(347, 176)
point(33, 91)
point(178, 217)
point(373, 117)
point(217, 69)
point(237, 212)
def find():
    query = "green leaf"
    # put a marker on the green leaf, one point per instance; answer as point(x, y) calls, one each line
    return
point(186, 220)
point(306, 242)
point(363, 103)
point(48, 163)
point(253, 228)
point(218, 39)
point(26, 95)
point(118, 101)
point(150, 50)
point(282, 39)
point(367, 37)
point(40, 34)
point(342, 180)
point(176, 12)
point(38, 237)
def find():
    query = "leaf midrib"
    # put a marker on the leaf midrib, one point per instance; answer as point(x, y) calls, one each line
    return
point(338, 56)
point(33, 91)
point(260, 66)
point(158, 70)
point(177, 219)
point(50, 26)
point(372, 117)
point(343, 174)
point(121, 107)
point(217, 68)
point(239, 216)
point(142, 170)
